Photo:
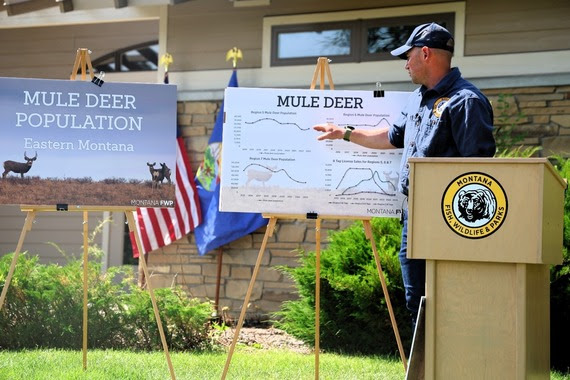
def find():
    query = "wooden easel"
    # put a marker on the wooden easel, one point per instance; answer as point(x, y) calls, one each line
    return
point(321, 69)
point(82, 59)
point(30, 217)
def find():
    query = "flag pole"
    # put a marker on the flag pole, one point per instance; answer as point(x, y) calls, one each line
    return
point(165, 60)
point(218, 280)
point(233, 54)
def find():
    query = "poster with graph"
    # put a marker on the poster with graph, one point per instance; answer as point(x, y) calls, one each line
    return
point(272, 162)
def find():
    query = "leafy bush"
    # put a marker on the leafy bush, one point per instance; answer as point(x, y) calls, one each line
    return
point(354, 317)
point(507, 136)
point(44, 308)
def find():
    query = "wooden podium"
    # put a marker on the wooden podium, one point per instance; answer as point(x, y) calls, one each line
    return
point(489, 230)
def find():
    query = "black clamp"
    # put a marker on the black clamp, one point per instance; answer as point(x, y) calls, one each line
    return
point(98, 80)
point(61, 207)
point(378, 93)
point(312, 215)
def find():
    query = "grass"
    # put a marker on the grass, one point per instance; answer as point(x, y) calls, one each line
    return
point(245, 364)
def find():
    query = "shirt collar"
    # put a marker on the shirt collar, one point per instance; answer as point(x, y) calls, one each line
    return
point(445, 83)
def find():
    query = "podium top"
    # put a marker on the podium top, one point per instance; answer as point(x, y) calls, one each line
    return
point(498, 161)
point(486, 209)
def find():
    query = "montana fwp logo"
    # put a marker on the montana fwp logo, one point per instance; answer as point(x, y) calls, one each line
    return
point(439, 106)
point(474, 205)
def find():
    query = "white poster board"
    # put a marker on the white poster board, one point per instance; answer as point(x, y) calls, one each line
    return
point(273, 163)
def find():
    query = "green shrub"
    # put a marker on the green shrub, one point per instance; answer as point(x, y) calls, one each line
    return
point(44, 309)
point(354, 316)
point(505, 124)
point(508, 137)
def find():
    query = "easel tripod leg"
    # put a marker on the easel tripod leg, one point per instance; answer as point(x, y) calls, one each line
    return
point(85, 278)
point(317, 295)
point(268, 233)
point(133, 229)
point(27, 227)
point(370, 236)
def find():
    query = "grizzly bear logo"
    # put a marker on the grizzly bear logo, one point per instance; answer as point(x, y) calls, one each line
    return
point(474, 205)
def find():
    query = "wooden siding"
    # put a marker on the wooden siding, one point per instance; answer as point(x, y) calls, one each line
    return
point(66, 231)
point(492, 27)
point(49, 52)
point(497, 27)
point(200, 32)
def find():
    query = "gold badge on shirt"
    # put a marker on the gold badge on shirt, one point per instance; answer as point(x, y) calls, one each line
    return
point(439, 106)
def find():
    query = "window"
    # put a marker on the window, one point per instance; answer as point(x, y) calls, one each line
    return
point(142, 57)
point(299, 44)
point(128, 258)
point(347, 41)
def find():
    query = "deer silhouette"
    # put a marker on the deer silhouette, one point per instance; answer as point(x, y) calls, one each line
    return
point(165, 173)
point(19, 167)
point(158, 175)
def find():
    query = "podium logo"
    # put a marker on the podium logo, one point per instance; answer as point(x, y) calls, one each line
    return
point(474, 205)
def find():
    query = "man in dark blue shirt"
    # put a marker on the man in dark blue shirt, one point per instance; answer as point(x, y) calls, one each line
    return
point(446, 116)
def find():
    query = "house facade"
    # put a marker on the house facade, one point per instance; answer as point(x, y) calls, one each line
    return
point(517, 52)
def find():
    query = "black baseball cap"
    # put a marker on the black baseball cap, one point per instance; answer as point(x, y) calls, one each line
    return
point(431, 35)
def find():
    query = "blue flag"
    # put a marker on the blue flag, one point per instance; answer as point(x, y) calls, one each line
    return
point(219, 228)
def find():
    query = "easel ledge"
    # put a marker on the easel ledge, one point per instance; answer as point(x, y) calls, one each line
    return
point(313, 216)
point(65, 207)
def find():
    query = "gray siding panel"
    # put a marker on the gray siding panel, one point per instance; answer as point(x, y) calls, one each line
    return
point(49, 52)
point(497, 27)
point(492, 27)
point(200, 32)
point(63, 229)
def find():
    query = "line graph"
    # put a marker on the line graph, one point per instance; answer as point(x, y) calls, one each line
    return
point(264, 175)
point(279, 134)
point(276, 121)
point(274, 162)
point(382, 122)
point(365, 181)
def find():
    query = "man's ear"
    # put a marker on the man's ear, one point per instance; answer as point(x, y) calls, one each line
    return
point(425, 52)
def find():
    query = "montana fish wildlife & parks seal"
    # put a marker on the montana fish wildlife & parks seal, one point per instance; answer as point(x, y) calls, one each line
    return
point(474, 205)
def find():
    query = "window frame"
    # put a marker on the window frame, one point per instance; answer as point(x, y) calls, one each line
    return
point(315, 27)
point(393, 21)
point(118, 54)
point(456, 8)
point(359, 36)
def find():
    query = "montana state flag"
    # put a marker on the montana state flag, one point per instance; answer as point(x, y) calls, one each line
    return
point(219, 228)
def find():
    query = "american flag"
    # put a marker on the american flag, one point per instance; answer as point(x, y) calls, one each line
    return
point(159, 227)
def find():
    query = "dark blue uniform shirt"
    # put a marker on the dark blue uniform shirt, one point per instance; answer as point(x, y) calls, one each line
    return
point(453, 119)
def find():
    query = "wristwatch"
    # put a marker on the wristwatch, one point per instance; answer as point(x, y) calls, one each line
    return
point(347, 131)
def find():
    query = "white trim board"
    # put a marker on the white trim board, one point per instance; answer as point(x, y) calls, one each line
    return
point(53, 17)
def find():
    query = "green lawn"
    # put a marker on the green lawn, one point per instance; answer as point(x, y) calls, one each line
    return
point(246, 364)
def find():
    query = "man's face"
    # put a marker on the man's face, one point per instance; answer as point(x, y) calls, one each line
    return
point(415, 65)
